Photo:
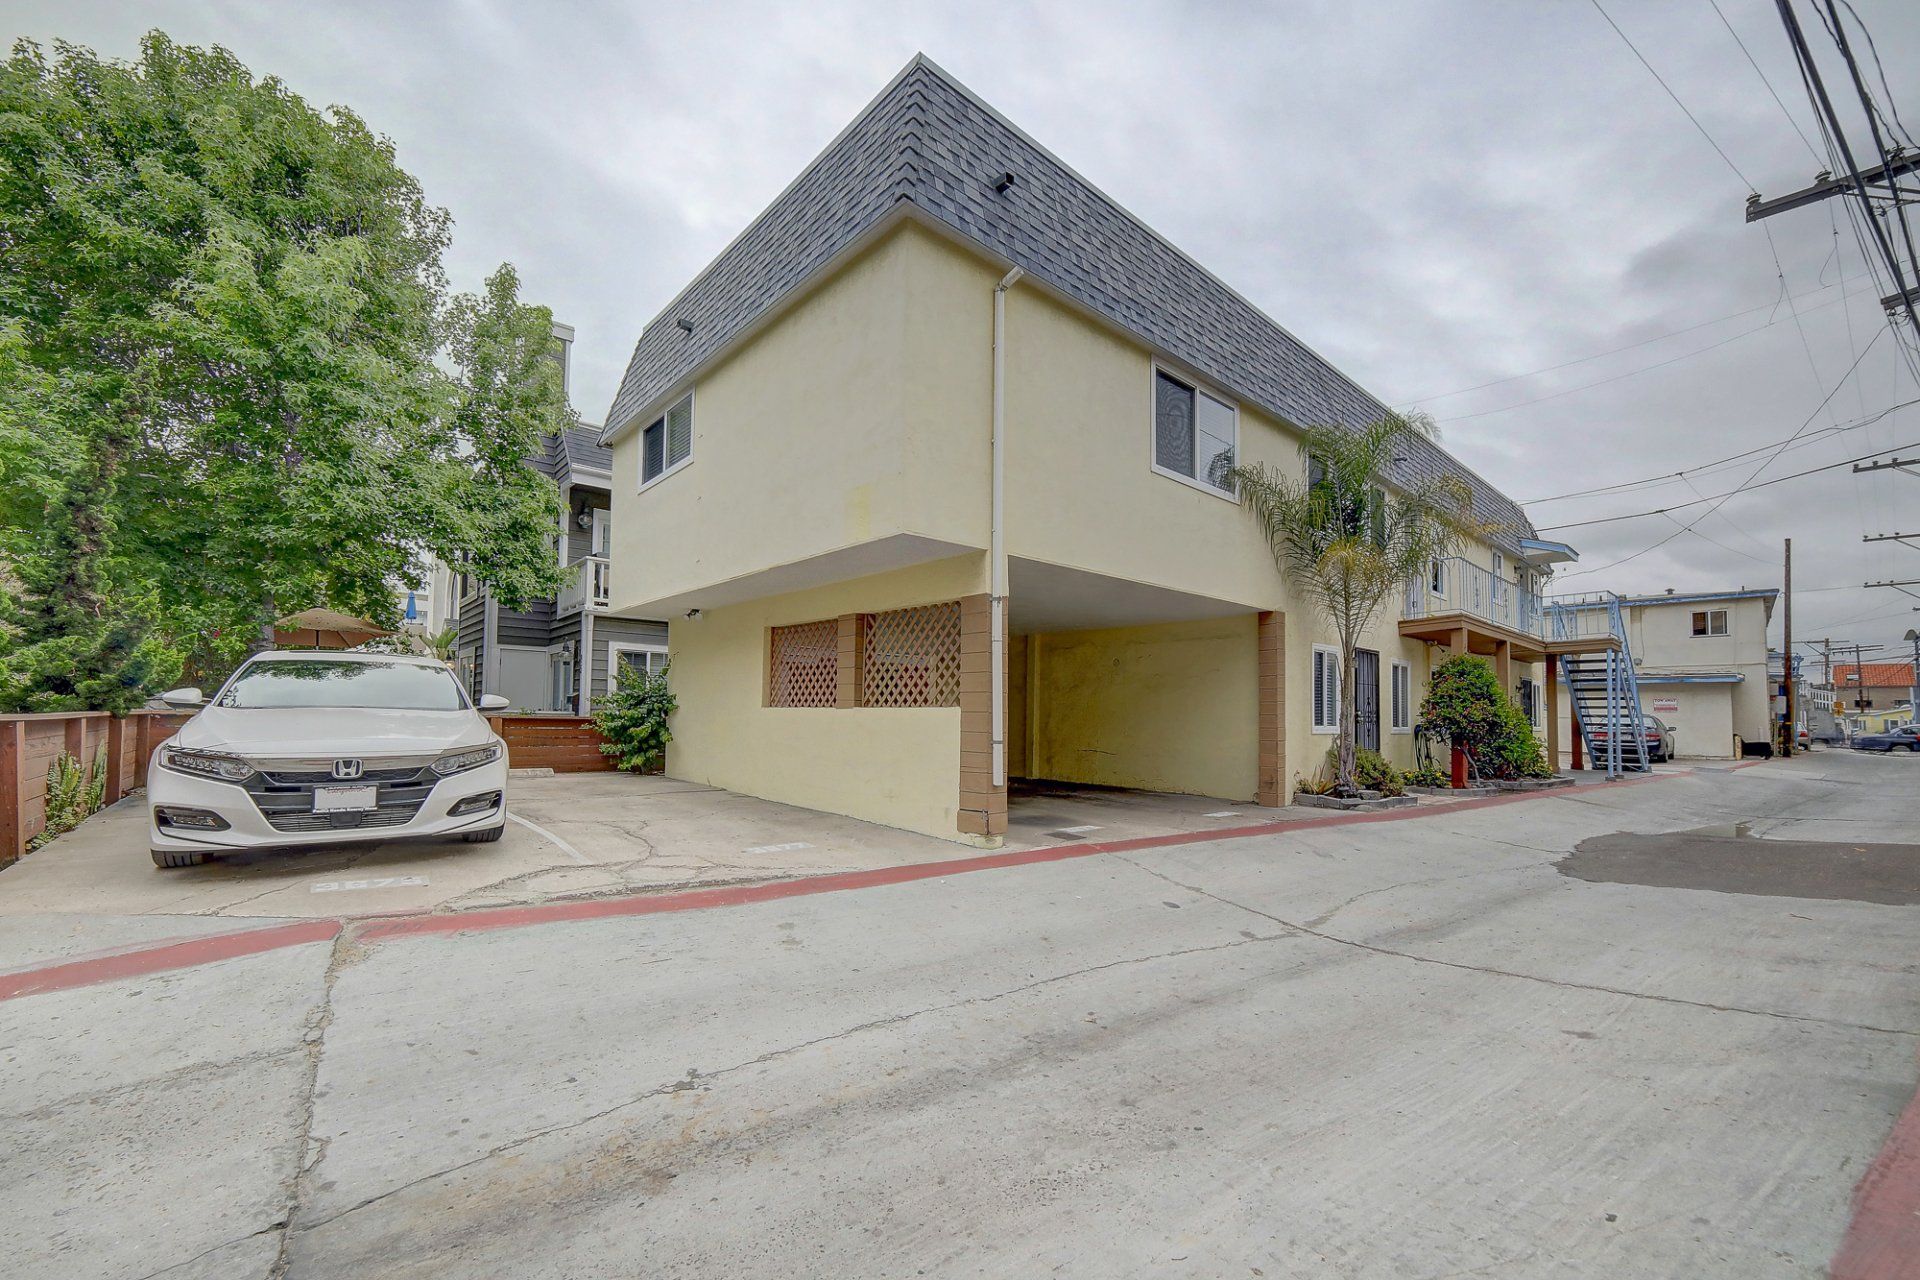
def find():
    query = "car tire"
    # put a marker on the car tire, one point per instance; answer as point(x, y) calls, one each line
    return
point(485, 837)
point(176, 858)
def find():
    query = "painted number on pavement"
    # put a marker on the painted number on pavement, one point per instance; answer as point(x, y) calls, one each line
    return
point(383, 882)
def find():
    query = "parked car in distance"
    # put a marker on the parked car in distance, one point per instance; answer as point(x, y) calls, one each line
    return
point(1905, 737)
point(1659, 739)
point(326, 748)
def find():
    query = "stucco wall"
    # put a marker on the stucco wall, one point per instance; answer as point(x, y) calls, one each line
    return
point(838, 423)
point(1702, 718)
point(1168, 708)
point(1663, 641)
point(898, 766)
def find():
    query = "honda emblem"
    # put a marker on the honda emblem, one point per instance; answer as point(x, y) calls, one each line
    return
point(348, 769)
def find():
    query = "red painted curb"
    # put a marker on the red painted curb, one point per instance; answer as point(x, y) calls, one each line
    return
point(1883, 1239)
point(733, 896)
point(138, 962)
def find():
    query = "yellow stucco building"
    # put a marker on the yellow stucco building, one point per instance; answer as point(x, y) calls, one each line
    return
point(941, 371)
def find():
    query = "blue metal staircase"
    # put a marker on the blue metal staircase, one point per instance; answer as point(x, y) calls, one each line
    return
point(1600, 681)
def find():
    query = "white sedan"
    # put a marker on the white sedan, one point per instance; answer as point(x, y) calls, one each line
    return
point(301, 749)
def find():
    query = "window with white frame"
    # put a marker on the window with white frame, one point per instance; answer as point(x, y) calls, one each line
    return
point(1195, 435)
point(1709, 622)
point(1437, 577)
point(1530, 700)
point(650, 658)
point(1326, 689)
point(1402, 699)
point(1499, 578)
point(666, 443)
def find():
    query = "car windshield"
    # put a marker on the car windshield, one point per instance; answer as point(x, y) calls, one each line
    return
point(339, 682)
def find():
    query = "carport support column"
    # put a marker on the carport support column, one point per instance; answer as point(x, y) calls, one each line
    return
point(983, 804)
point(1273, 710)
point(1503, 665)
point(1553, 714)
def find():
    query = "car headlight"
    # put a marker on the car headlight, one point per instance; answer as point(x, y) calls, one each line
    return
point(206, 764)
point(461, 761)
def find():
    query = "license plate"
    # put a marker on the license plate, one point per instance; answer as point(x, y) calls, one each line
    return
point(346, 799)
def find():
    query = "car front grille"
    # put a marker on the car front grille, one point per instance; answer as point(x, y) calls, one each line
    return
point(285, 799)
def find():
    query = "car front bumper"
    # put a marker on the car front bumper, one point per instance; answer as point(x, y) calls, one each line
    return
point(247, 827)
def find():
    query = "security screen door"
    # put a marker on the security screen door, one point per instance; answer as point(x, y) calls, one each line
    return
point(1366, 699)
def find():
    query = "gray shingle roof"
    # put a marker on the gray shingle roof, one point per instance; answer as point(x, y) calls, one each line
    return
point(928, 140)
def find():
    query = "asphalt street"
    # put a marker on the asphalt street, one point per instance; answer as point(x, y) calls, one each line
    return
point(1655, 1029)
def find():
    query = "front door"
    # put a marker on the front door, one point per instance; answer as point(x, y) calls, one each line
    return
point(1366, 699)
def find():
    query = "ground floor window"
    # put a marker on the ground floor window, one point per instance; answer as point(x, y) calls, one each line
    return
point(1530, 700)
point(1326, 689)
point(1402, 698)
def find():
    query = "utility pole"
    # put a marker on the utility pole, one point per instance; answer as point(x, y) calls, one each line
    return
point(1887, 537)
point(1895, 464)
point(1878, 182)
point(1787, 739)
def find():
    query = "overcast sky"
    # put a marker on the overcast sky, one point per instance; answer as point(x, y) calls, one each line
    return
point(1433, 195)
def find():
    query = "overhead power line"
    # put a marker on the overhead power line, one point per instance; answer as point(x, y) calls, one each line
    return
point(1745, 488)
point(1751, 476)
point(1773, 306)
point(1721, 151)
point(1671, 476)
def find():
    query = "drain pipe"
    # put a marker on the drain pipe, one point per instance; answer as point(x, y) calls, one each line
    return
point(997, 534)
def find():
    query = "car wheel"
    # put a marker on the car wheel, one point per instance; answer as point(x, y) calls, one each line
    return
point(176, 858)
point(485, 837)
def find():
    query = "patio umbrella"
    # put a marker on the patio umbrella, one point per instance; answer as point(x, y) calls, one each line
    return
point(325, 629)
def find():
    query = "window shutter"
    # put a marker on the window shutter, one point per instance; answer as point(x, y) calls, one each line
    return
point(1319, 688)
point(680, 432)
point(653, 451)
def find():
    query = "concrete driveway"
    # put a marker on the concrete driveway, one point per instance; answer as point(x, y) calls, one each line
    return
point(571, 835)
point(1479, 1041)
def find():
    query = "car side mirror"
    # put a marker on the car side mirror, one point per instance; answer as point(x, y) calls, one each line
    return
point(184, 698)
point(494, 702)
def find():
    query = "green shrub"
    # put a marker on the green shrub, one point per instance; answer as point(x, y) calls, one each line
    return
point(632, 719)
point(1466, 703)
point(1371, 772)
point(1430, 776)
point(73, 793)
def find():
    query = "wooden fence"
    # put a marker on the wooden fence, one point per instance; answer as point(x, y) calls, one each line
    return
point(564, 744)
point(30, 744)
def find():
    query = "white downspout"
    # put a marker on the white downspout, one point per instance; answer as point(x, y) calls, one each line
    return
point(997, 534)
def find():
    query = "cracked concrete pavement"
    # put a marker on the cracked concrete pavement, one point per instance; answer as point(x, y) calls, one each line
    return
point(1407, 1049)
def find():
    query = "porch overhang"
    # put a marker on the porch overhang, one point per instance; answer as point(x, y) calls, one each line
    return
point(1470, 633)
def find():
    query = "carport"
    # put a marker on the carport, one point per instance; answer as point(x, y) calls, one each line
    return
point(1120, 684)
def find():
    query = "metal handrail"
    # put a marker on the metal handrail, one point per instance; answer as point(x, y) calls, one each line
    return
point(1470, 589)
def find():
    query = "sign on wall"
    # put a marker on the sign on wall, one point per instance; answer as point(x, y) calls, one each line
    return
point(1665, 706)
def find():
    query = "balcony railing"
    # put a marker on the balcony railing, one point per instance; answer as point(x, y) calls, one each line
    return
point(1463, 587)
point(590, 587)
point(1466, 588)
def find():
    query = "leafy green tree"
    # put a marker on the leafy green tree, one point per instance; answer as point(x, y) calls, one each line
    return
point(1466, 703)
point(220, 312)
point(1349, 542)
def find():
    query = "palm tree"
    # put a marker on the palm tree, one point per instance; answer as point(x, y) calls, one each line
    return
point(1347, 541)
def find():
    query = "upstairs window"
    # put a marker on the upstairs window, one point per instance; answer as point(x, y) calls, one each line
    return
point(1437, 578)
point(1709, 622)
point(1195, 435)
point(666, 443)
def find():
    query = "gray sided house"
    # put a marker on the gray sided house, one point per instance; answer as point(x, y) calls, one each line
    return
point(558, 655)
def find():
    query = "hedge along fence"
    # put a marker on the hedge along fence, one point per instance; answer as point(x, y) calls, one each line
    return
point(562, 743)
point(30, 744)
